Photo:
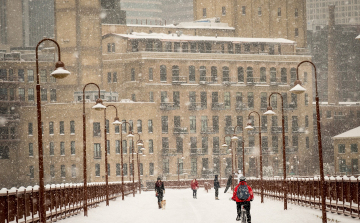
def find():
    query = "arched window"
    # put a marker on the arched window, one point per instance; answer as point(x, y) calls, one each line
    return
point(262, 74)
point(163, 73)
point(273, 75)
point(249, 75)
point(240, 74)
point(292, 75)
point(283, 75)
point(226, 77)
point(202, 73)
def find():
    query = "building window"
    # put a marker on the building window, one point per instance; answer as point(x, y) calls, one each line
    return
point(240, 74)
point(204, 12)
point(227, 100)
point(72, 147)
point(163, 73)
point(125, 169)
point(62, 148)
point(109, 77)
point(166, 168)
point(263, 100)
point(32, 172)
point(296, 32)
point(62, 128)
point(53, 95)
point(215, 120)
point(22, 94)
point(139, 126)
point(118, 169)
point(259, 11)
point(223, 10)
point(132, 74)
point(114, 77)
point(117, 146)
point(108, 169)
point(43, 76)
point(73, 171)
point(151, 169)
point(150, 126)
point(151, 96)
point(193, 166)
point(250, 100)
point(97, 151)
point(193, 145)
point(341, 148)
point(342, 165)
point(51, 128)
point(164, 124)
point(283, 76)
point(96, 129)
point(191, 73)
point(279, 11)
point(72, 127)
point(243, 10)
point(192, 124)
point(307, 142)
point(151, 70)
point(263, 74)
point(52, 171)
point(31, 94)
point(43, 93)
point(354, 148)
point(31, 149)
point(237, 48)
point(30, 75)
point(151, 146)
point(354, 165)
point(124, 145)
point(97, 169)
point(141, 169)
point(52, 149)
point(63, 173)
point(296, 12)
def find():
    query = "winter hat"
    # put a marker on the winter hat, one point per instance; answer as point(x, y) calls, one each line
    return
point(242, 178)
point(158, 178)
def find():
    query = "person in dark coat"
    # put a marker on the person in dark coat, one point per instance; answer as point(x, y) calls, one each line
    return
point(246, 202)
point(228, 184)
point(216, 187)
point(159, 191)
point(194, 186)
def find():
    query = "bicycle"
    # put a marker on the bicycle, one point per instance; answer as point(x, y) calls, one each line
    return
point(243, 215)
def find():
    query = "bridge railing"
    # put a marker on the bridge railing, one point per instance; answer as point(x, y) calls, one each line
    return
point(22, 204)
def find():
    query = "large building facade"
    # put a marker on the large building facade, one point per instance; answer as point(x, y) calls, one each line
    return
point(184, 91)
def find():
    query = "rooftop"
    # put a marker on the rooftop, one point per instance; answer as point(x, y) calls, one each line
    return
point(181, 37)
point(353, 133)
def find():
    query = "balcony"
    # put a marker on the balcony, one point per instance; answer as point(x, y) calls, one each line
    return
point(208, 130)
point(208, 80)
point(168, 106)
point(181, 130)
point(179, 80)
point(219, 106)
point(196, 106)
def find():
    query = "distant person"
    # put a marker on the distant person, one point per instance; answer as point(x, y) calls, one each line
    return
point(216, 187)
point(228, 184)
point(159, 191)
point(243, 194)
point(194, 187)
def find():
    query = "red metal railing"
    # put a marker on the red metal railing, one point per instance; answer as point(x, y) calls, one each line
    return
point(21, 205)
point(342, 194)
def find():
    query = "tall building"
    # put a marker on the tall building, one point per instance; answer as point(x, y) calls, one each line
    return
point(185, 90)
point(346, 13)
point(142, 11)
point(261, 19)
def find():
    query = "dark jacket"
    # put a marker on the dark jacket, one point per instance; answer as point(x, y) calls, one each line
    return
point(159, 188)
point(216, 183)
point(235, 198)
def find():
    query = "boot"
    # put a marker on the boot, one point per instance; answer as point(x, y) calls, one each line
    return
point(159, 205)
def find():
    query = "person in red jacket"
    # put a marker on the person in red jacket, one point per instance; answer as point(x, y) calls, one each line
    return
point(194, 187)
point(246, 202)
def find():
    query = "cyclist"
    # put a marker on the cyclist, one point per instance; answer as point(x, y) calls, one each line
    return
point(243, 198)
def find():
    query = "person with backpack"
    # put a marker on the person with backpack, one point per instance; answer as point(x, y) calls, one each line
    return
point(243, 194)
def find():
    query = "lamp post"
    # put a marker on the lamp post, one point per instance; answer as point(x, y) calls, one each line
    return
point(122, 157)
point(99, 106)
point(243, 153)
point(139, 143)
point(270, 112)
point(249, 127)
point(59, 73)
point(130, 135)
point(232, 158)
point(298, 89)
point(116, 122)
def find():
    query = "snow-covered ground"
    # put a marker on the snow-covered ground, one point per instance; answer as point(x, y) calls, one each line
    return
point(182, 208)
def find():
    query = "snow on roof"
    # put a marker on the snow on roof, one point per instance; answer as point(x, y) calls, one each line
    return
point(358, 37)
point(182, 37)
point(353, 133)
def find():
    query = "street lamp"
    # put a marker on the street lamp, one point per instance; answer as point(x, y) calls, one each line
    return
point(139, 143)
point(232, 157)
point(249, 127)
point(98, 106)
point(270, 112)
point(116, 122)
point(59, 73)
point(121, 154)
point(131, 135)
point(298, 89)
point(234, 138)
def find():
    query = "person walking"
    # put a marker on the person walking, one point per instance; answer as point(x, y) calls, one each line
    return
point(159, 191)
point(243, 195)
point(194, 187)
point(216, 187)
